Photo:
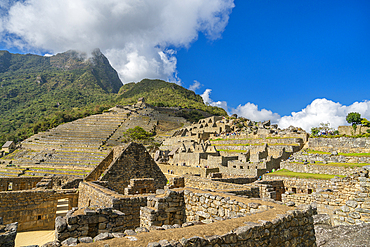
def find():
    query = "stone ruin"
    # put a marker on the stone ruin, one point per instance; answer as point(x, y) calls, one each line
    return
point(247, 148)
point(212, 171)
point(126, 196)
point(7, 234)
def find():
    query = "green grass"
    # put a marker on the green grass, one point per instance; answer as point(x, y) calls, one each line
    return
point(287, 173)
point(354, 154)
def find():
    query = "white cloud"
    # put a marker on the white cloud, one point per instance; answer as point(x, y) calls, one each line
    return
point(138, 37)
point(196, 85)
point(324, 111)
point(208, 100)
point(319, 111)
point(251, 112)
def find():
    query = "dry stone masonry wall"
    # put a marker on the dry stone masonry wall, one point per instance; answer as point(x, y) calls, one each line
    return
point(208, 208)
point(89, 222)
point(348, 202)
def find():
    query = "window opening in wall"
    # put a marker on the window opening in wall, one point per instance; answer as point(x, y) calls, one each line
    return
point(234, 166)
point(10, 186)
point(39, 217)
point(294, 190)
point(309, 191)
point(241, 167)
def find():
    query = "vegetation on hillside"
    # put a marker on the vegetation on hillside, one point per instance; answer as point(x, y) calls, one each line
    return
point(164, 94)
point(38, 93)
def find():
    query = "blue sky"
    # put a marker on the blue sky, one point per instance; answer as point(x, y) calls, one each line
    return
point(295, 62)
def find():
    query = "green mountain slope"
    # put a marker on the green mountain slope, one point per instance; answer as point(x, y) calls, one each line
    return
point(38, 93)
point(161, 93)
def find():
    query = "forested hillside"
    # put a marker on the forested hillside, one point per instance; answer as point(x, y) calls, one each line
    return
point(38, 93)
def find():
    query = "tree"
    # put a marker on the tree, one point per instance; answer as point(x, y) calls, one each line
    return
point(365, 122)
point(354, 118)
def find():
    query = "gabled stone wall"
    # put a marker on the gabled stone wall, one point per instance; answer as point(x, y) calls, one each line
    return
point(132, 162)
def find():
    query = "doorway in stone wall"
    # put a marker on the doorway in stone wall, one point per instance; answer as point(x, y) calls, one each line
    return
point(62, 207)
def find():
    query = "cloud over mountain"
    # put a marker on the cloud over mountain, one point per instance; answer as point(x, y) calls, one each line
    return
point(139, 38)
point(318, 111)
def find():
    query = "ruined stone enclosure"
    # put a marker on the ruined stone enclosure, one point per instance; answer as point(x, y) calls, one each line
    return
point(178, 212)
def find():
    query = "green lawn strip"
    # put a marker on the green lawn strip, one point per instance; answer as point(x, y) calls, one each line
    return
point(354, 154)
point(287, 173)
point(351, 165)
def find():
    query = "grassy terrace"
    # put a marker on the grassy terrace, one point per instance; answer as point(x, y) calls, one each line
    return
point(351, 165)
point(344, 154)
point(287, 173)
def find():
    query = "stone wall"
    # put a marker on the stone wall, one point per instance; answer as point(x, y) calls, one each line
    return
point(319, 169)
point(91, 194)
point(99, 169)
point(22, 183)
point(165, 209)
point(208, 208)
point(8, 234)
point(182, 170)
point(241, 180)
point(348, 130)
point(295, 228)
point(133, 161)
point(348, 202)
point(328, 158)
point(207, 184)
point(253, 190)
point(140, 186)
point(89, 222)
point(176, 182)
point(302, 185)
point(33, 209)
point(341, 145)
